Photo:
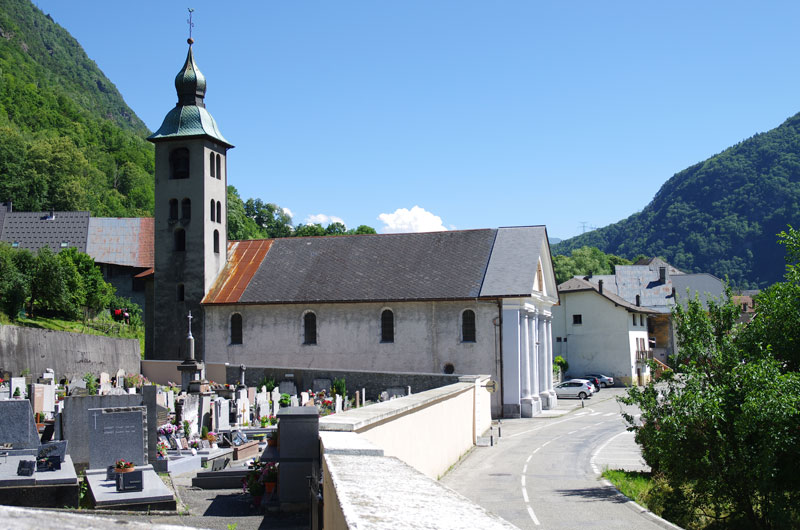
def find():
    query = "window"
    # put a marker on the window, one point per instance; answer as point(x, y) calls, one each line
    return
point(173, 208)
point(64, 244)
point(558, 339)
point(219, 211)
point(634, 319)
point(468, 326)
point(181, 293)
point(309, 328)
point(180, 240)
point(216, 241)
point(219, 167)
point(211, 164)
point(186, 209)
point(387, 326)
point(236, 328)
point(577, 319)
point(212, 210)
point(179, 163)
point(449, 368)
point(641, 320)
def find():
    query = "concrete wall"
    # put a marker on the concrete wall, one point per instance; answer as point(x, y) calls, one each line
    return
point(427, 337)
point(605, 342)
point(70, 355)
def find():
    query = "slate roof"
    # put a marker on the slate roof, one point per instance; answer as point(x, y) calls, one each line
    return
point(707, 287)
point(451, 265)
point(122, 241)
point(34, 230)
point(576, 284)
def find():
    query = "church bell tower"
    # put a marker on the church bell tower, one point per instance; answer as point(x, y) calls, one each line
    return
point(190, 215)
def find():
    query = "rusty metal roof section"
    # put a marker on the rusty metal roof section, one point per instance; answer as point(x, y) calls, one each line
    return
point(124, 241)
point(244, 259)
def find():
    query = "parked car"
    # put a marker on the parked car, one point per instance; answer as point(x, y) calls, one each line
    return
point(605, 381)
point(579, 388)
point(595, 381)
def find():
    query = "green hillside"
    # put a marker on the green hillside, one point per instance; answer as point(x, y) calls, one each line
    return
point(68, 141)
point(719, 216)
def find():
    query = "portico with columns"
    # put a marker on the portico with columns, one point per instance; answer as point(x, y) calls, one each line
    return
point(528, 375)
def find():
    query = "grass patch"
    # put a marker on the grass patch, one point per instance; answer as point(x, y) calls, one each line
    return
point(635, 485)
point(101, 328)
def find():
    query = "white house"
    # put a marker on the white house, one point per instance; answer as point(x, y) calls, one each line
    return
point(597, 331)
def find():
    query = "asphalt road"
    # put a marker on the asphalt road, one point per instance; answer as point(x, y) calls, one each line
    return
point(544, 473)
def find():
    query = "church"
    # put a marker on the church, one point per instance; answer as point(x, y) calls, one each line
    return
point(455, 302)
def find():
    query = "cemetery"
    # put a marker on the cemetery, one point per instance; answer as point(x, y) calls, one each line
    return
point(107, 441)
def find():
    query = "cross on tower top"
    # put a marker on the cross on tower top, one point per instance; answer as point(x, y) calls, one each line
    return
point(190, 317)
point(191, 25)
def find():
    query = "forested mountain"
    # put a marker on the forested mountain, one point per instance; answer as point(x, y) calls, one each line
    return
point(68, 141)
point(720, 216)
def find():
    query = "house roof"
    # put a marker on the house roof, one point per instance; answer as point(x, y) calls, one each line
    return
point(34, 230)
point(121, 241)
point(706, 286)
point(576, 284)
point(450, 265)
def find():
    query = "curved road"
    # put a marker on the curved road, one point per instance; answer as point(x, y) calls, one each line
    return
point(545, 472)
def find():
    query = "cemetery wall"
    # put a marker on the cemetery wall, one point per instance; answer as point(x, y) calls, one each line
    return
point(372, 382)
point(70, 355)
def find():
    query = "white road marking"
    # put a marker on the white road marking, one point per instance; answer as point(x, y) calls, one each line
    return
point(525, 495)
point(547, 442)
point(536, 450)
point(595, 413)
point(523, 481)
point(529, 457)
point(597, 451)
point(549, 423)
point(610, 414)
point(524, 469)
point(533, 516)
point(571, 432)
point(582, 413)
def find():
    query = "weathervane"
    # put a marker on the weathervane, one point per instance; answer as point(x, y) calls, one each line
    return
point(191, 25)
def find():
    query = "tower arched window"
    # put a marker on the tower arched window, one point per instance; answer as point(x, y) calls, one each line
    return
point(213, 210)
point(186, 209)
point(309, 328)
point(181, 293)
point(468, 326)
point(180, 240)
point(173, 208)
point(387, 326)
point(216, 241)
point(179, 163)
point(211, 164)
point(219, 167)
point(236, 328)
point(219, 211)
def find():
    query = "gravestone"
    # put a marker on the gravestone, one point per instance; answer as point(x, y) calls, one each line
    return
point(221, 415)
point(130, 481)
point(117, 433)
point(19, 383)
point(287, 387)
point(105, 383)
point(189, 412)
point(17, 426)
point(338, 408)
point(57, 449)
point(251, 395)
point(120, 379)
point(205, 412)
point(161, 399)
point(49, 374)
point(26, 468)
point(49, 398)
point(322, 384)
point(396, 391)
point(275, 395)
point(171, 401)
point(303, 398)
point(384, 396)
point(293, 401)
point(37, 398)
point(149, 393)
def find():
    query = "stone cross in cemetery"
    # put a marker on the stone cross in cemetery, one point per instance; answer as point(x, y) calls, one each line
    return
point(242, 369)
point(191, 370)
point(117, 433)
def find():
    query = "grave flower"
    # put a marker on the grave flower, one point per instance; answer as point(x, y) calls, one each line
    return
point(162, 448)
point(168, 429)
point(122, 465)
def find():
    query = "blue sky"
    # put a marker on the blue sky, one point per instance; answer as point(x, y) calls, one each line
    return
point(481, 113)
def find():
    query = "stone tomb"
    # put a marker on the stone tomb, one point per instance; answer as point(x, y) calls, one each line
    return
point(117, 433)
point(154, 494)
point(17, 426)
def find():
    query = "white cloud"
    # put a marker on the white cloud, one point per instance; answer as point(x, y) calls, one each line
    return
point(414, 220)
point(322, 219)
point(288, 212)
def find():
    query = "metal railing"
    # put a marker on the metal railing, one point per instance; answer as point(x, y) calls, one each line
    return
point(644, 355)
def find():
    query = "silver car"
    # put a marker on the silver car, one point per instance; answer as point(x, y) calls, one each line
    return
point(577, 388)
point(605, 381)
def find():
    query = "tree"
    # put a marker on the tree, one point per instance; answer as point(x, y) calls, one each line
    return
point(362, 229)
point(240, 226)
point(724, 432)
point(270, 218)
point(309, 230)
point(335, 229)
point(584, 261)
point(14, 285)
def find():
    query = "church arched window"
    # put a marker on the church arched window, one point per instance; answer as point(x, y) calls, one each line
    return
point(186, 209)
point(211, 164)
point(310, 328)
point(181, 293)
point(236, 328)
point(219, 167)
point(468, 326)
point(173, 209)
point(216, 241)
point(387, 326)
point(219, 211)
point(213, 210)
point(179, 163)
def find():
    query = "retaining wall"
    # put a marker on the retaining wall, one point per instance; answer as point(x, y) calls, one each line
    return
point(70, 355)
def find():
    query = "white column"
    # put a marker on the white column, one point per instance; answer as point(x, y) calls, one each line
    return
point(549, 341)
point(541, 360)
point(525, 354)
point(535, 353)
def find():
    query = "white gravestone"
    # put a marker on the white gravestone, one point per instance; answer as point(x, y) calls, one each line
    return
point(18, 382)
point(171, 401)
point(120, 382)
point(303, 398)
point(49, 398)
point(221, 415)
point(338, 408)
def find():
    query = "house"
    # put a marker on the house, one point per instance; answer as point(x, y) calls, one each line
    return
point(122, 247)
point(651, 288)
point(462, 302)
